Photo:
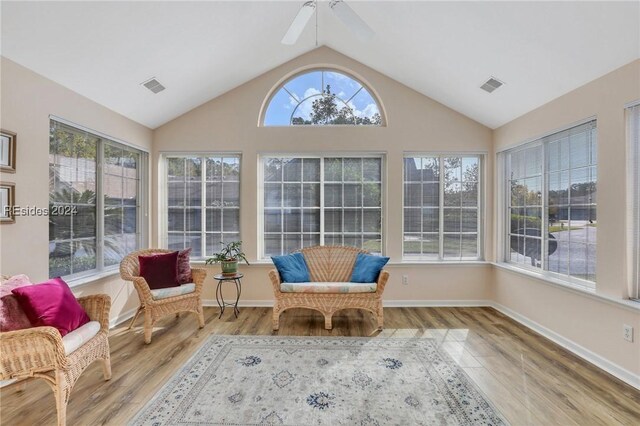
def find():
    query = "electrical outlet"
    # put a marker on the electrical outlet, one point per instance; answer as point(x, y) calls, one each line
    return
point(405, 279)
point(627, 332)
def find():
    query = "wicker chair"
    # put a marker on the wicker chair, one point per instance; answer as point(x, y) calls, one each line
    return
point(38, 352)
point(329, 264)
point(156, 308)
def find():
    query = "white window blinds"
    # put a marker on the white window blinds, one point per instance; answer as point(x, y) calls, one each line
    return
point(551, 195)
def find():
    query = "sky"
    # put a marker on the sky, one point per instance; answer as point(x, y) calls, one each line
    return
point(307, 87)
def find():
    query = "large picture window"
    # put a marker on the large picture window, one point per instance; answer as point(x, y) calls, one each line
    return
point(442, 204)
point(551, 221)
point(96, 202)
point(321, 200)
point(202, 202)
point(633, 136)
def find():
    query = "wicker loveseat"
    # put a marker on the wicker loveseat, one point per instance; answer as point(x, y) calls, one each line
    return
point(162, 302)
point(40, 352)
point(330, 269)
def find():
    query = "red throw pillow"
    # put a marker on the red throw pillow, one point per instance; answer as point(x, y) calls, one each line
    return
point(160, 270)
point(51, 303)
point(184, 267)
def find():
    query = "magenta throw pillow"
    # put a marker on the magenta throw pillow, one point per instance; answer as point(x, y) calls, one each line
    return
point(160, 270)
point(12, 317)
point(184, 267)
point(51, 303)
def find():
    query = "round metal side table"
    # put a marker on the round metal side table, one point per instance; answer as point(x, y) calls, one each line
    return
point(220, 298)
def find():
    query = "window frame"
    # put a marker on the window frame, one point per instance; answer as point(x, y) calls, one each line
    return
point(481, 156)
point(633, 190)
point(292, 76)
point(260, 256)
point(503, 196)
point(163, 216)
point(142, 222)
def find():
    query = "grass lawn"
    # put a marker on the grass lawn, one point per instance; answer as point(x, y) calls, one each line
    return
point(374, 246)
point(558, 228)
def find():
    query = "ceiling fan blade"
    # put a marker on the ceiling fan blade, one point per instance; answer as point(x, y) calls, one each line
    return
point(351, 20)
point(299, 22)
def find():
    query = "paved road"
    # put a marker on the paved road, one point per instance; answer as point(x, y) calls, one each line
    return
point(575, 255)
point(578, 256)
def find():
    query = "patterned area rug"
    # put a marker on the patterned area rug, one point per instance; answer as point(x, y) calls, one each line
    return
point(250, 380)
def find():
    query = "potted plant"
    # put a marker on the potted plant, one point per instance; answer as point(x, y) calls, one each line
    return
point(228, 257)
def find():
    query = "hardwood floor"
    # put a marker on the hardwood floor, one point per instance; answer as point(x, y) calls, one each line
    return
point(531, 380)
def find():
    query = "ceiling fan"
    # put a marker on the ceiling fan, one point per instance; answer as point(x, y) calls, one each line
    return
point(342, 11)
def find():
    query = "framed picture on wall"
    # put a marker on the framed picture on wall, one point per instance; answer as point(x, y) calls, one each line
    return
point(7, 151)
point(7, 201)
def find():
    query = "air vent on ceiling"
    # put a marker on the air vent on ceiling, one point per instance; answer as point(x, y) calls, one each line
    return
point(491, 84)
point(153, 85)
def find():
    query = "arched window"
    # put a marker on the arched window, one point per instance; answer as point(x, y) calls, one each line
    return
point(321, 98)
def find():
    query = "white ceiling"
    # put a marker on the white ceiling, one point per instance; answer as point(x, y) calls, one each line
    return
point(199, 50)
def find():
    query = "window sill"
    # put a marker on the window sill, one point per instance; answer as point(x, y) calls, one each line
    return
point(201, 262)
point(410, 263)
point(82, 281)
point(569, 286)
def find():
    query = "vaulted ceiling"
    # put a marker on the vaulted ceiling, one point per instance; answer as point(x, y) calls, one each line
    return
point(199, 50)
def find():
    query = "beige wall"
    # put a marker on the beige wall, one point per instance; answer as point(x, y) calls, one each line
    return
point(415, 123)
point(595, 325)
point(27, 100)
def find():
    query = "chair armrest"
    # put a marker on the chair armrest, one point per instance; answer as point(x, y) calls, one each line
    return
point(97, 307)
point(29, 351)
point(144, 292)
point(275, 280)
point(382, 281)
point(198, 276)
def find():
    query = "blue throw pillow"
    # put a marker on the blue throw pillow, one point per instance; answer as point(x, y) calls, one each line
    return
point(367, 268)
point(292, 268)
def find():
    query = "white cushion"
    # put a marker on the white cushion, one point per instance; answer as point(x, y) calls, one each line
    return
point(163, 293)
point(80, 336)
point(323, 287)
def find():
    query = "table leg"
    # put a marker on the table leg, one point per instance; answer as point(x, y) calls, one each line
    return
point(238, 291)
point(219, 297)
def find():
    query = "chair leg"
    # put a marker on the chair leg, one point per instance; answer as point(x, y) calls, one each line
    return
point(275, 319)
point(148, 328)
point(106, 368)
point(200, 316)
point(380, 316)
point(327, 321)
point(61, 392)
point(135, 317)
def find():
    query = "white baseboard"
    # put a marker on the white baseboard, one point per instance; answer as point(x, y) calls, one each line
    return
point(386, 303)
point(434, 303)
point(242, 303)
point(584, 353)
